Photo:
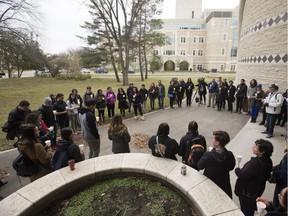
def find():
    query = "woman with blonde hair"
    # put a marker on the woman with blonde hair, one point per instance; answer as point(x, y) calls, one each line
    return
point(118, 133)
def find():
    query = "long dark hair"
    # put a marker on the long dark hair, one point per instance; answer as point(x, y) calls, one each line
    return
point(116, 126)
point(163, 130)
point(71, 100)
point(28, 134)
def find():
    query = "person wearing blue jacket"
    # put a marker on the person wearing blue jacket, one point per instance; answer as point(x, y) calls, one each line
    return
point(212, 89)
point(89, 128)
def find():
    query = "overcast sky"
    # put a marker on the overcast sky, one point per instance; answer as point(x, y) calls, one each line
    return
point(61, 20)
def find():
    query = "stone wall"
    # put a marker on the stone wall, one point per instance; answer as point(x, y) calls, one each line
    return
point(262, 52)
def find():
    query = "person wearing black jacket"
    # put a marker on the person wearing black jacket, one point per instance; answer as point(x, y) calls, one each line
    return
point(219, 162)
point(61, 111)
point(144, 94)
point(170, 145)
point(180, 92)
point(241, 93)
point(89, 128)
point(253, 176)
point(122, 101)
point(172, 94)
point(17, 116)
point(67, 144)
point(230, 95)
point(136, 100)
point(189, 86)
point(190, 135)
point(129, 93)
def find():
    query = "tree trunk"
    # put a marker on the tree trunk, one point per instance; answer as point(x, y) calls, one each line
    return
point(139, 48)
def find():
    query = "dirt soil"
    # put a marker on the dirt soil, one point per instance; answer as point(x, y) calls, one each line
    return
point(129, 196)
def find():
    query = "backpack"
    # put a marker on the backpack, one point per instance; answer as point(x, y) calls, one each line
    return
point(194, 152)
point(24, 166)
point(61, 158)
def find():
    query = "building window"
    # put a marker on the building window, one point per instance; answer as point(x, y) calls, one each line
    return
point(225, 22)
point(199, 67)
point(224, 36)
point(221, 67)
point(156, 52)
point(201, 40)
point(232, 67)
point(170, 52)
point(223, 51)
point(182, 52)
point(200, 52)
point(194, 52)
point(183, 40)
point(192, 14)
point(234, 51)
point(195, 39)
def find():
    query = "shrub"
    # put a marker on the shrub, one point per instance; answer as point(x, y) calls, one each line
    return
point(73, 76)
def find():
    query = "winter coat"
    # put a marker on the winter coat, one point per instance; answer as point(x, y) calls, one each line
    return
point(144, 94)
point(136, 98)
point(160, 89)
point(212, 87)
point(87, 97)
point(180, 89)
point(88, 124)
point(100, 101)
point(186, 139)
point(39, 156)
point(217, 166)
point(274, 103)
point(258, 98)
point(241, 90)
point(220, 95)
point(16, 117)
point(48, 115)
point(172, 147)
point(122, 100)
point(120, 141)
point(152, 93)
point(110, 98)
point(253, 176)
point(172, 90)
point(73, 153)
point(230, 93)
point(202, 88)
point(189, 86)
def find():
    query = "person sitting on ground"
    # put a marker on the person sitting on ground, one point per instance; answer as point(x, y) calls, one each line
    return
point(190, 135)
point(281, 210)
point(67, 145)
point(30, 145)
point(219, 162)
point(118, 133)
point(162, 145)
point(253, 176)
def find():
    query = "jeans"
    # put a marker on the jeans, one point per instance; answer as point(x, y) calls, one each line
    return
point(94, 147)
point(254, 112)
point(239, 105)
point(171, 102)
point(271, 120)
point(204, 97)
point(161, 102)
point(73, 121)
point(188, 99)
point(152, 102)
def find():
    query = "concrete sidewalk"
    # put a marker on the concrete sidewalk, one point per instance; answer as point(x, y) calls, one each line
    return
point(208, 120)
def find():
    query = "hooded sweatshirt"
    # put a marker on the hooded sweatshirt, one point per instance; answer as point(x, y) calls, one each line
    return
point(73, 151)
point(88, 124)
point(217, 166)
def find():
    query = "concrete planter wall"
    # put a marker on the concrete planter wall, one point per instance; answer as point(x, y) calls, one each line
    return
point(203, 195)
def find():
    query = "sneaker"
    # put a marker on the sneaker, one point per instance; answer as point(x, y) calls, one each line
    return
point(142, 118)
point(135, 117)
point(264, 132)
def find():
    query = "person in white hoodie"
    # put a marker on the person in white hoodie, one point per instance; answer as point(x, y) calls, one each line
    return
point(273, 104)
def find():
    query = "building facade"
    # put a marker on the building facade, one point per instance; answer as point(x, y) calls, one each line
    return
point(198, 41)
point(263, 42)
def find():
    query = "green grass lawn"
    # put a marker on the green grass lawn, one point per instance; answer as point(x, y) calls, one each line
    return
point(36, 89)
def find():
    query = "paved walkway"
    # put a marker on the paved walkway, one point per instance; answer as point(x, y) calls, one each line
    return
point(208, 120)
